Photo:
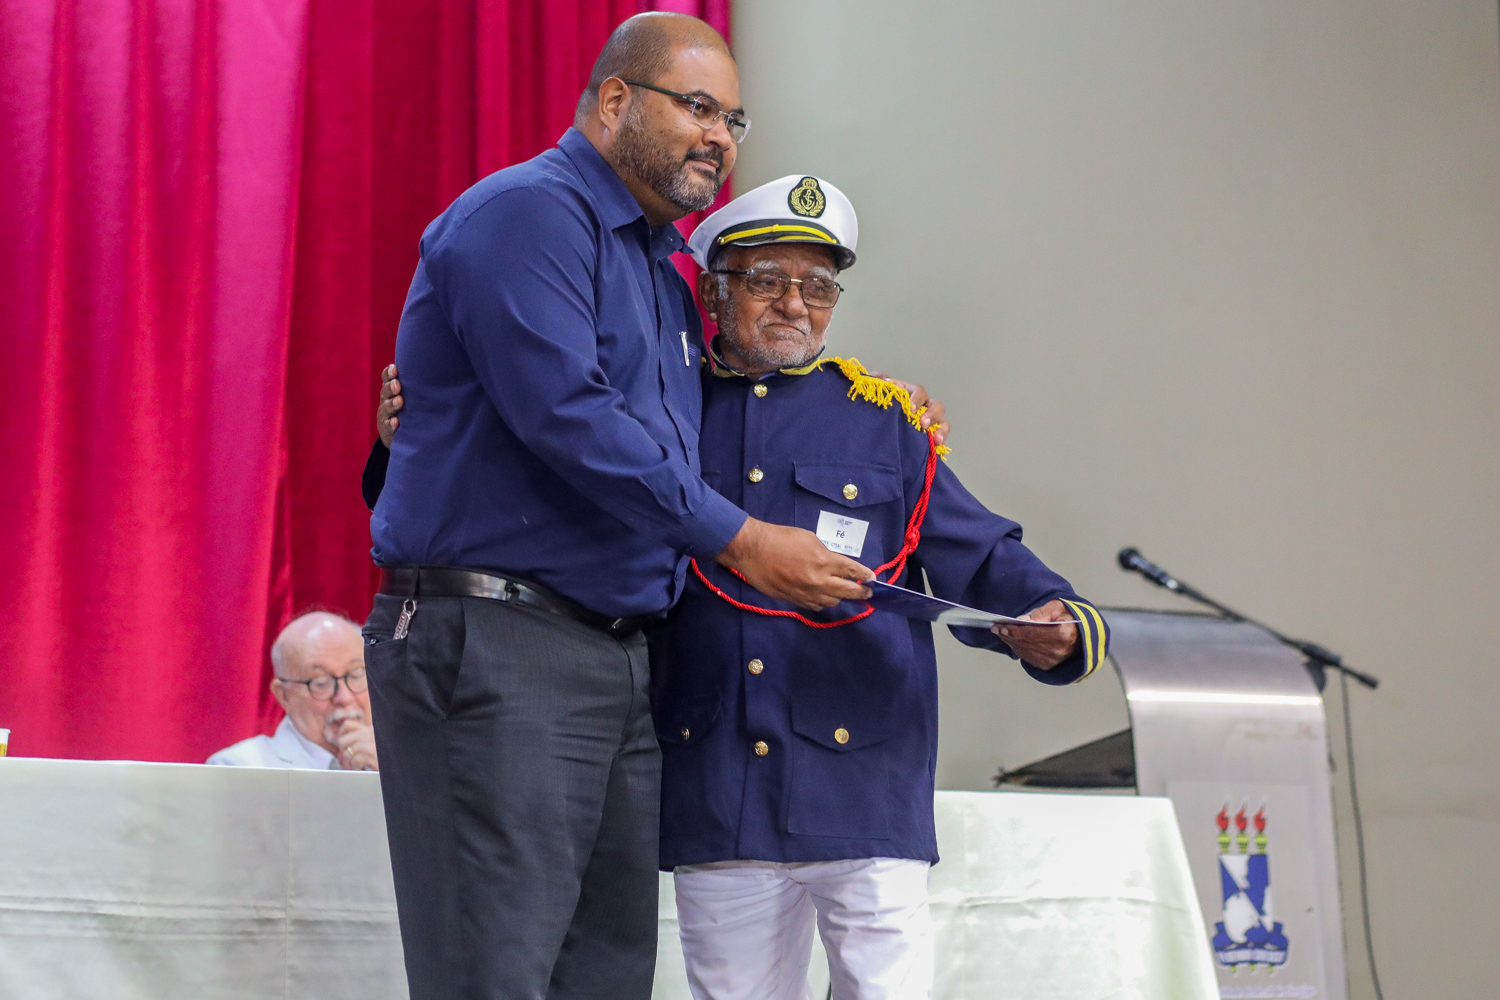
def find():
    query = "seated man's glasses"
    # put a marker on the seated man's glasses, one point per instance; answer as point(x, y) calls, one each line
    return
point(704, 110)
point(763, 283)
point(325, 686)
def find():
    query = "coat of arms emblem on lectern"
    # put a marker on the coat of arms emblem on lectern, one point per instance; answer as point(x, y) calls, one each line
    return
point(1248, 934)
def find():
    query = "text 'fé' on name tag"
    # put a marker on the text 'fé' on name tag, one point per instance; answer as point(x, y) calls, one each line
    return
point(841, 533)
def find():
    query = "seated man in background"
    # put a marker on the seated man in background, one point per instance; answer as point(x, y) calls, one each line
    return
point(319, 664)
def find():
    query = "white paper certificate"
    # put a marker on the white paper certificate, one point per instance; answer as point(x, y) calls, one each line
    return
point(911, 604)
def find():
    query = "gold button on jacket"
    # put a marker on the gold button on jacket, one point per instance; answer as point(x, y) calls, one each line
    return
point(841, 735)
point(851, 491)
point(755, 666)
point(761, 749)
point(760, 389)
point(686, 732)
point(756, 475)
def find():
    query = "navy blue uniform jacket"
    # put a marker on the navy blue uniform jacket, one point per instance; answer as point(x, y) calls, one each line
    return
point(847, 716)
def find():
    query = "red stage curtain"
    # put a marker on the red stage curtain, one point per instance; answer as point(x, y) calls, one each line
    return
point(149, 157)
point(407, 105)
point(211, 211)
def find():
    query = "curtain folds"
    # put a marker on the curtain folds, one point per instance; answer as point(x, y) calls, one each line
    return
point(212, 210)
point(148, 156)
point(407, 105)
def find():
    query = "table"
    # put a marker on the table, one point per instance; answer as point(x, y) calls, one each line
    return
point(133, 881)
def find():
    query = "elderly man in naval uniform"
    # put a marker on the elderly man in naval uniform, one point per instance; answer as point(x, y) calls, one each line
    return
point(799, 748)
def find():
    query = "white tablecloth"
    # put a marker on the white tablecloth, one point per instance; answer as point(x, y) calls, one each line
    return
point(164, 881)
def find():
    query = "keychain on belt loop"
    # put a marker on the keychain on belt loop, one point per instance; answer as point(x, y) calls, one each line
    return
point(408, 608)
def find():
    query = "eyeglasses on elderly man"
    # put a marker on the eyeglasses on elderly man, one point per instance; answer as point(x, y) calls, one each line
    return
point(771, 284)
point(319, 681)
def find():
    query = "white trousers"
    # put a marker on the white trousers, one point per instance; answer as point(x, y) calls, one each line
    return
point(747, 928)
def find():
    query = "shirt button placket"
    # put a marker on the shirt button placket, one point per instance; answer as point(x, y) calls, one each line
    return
point(759, 501)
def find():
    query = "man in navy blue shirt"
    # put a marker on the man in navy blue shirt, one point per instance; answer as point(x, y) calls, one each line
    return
point(540, 503)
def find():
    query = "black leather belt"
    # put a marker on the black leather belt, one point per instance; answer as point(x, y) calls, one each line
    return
point(444, 581)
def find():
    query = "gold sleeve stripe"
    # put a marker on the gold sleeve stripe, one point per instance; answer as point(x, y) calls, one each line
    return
point(1101, 640)
point(1086, 629)
point(1091, 623)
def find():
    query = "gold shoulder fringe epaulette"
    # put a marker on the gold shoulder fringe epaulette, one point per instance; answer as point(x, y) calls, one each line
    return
point(879, 391)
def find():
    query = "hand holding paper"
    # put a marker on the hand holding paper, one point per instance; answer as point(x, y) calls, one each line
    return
point(1043, 648)
point(925, 607)
point(1043, 637)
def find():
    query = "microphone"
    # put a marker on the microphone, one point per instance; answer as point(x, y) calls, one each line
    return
point(1132, 560)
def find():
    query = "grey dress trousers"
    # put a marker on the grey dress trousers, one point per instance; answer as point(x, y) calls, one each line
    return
point(521, 778)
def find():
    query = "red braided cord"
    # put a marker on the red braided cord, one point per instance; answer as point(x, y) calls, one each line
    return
point(911, 540)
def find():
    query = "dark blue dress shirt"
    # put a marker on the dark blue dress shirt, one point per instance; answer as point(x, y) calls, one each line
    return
point(549, 356)
point(786, 743)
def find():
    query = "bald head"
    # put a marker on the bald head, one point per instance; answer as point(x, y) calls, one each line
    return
point(302, 642)
point(316, 647)
point(657, 110)
point(643, 47)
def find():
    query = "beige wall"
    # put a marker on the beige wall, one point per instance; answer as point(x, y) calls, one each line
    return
point(1221, 280)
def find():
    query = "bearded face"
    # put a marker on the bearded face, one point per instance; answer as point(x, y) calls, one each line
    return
point(677, 177)
point(762, 335)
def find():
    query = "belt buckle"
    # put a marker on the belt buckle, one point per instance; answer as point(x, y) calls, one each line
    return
point(510, 591)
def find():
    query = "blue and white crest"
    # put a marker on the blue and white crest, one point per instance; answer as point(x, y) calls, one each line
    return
point(1249, 934)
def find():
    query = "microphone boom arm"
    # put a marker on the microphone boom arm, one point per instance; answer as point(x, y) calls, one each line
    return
point(1318, 658)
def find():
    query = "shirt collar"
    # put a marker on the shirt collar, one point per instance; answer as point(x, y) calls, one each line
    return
point(666, 240)
point(617, 206)
point(723, 370)
point(291, 740)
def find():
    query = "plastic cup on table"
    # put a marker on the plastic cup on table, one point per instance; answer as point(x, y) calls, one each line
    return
point(4, 741)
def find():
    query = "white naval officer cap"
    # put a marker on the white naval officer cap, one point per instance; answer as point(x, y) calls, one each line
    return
point(797, 208)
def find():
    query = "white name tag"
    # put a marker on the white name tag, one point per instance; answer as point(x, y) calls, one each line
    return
point(841, 533)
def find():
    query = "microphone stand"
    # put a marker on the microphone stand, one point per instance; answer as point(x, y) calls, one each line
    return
point(1319, 659)
point(1319, 662)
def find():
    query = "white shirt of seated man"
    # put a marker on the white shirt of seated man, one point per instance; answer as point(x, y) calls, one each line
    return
point(319, 667)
